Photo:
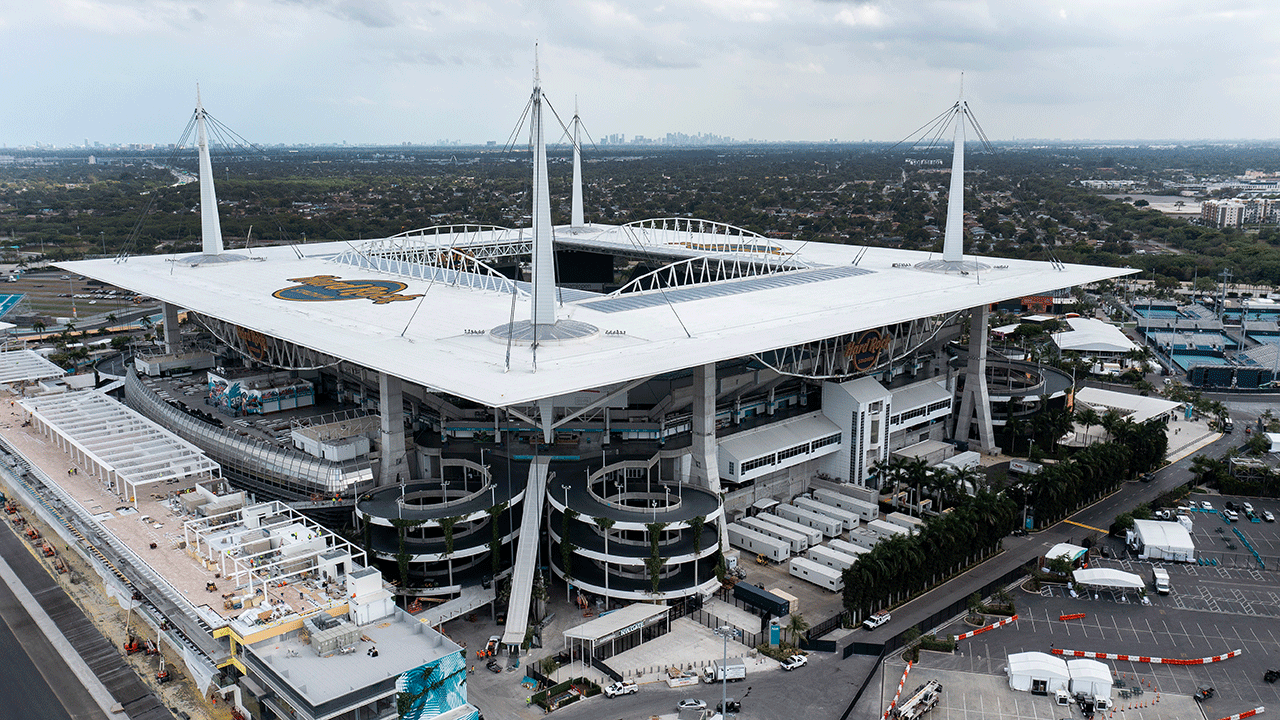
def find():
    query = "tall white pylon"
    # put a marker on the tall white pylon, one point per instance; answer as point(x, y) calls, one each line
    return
point(953, 239)
point(210, 226)
point(544, 267)
point(575, 218)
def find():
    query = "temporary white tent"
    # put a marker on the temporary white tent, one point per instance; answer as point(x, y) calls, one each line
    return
point(1072, 553)
point(1108, 578)
point(1159, 540)
point(1037, 672)
point(1090, 677)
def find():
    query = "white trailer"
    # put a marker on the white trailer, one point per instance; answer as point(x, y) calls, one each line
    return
point(828, 525)
point(912, 524)
point(799, 543)
point(847, 548)
point(831, 558)
point(757, 543)
point(868, 511)
point(848, 518)
point(863, 537)
point(815, 536)
point(886, 529)
point(819, 575)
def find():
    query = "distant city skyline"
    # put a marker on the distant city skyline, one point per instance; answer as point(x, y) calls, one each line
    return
point(389, 72)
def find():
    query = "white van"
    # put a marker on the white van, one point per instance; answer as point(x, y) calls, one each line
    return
point(1161, 578)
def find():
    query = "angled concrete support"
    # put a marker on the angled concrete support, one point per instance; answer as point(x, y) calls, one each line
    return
point(394, 469)
point(975, 403)
point(172, 333)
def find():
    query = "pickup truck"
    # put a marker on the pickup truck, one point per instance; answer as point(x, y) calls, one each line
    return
point(876, 620)
point(622, 687)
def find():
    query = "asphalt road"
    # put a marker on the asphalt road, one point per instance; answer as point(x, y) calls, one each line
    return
point(36, 683)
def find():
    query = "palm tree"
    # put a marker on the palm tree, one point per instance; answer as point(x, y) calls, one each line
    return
point(797, 627)
point(38, 326)
point(1088, 417)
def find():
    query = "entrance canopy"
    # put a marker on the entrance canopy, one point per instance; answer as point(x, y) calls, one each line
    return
point(618, 631)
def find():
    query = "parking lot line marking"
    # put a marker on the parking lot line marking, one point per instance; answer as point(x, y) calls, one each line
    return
point(1151, 630)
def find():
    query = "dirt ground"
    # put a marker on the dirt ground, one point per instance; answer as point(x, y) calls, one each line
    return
point(85, 588)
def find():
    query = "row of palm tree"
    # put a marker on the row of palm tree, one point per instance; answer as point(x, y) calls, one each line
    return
point(948, 486)
point(904, 565)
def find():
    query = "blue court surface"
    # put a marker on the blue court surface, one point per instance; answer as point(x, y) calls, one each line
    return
point(8, 302)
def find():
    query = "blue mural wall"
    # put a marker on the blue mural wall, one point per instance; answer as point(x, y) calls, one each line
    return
point(433, 689)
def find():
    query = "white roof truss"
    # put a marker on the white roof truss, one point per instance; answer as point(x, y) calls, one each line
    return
point(26, 366)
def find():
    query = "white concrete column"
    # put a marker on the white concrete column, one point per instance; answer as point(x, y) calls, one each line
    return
point(975, 403)
point(393, 467)
point(706, 467)
point(172, 334)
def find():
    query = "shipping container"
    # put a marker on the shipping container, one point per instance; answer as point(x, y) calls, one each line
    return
point(761, 599)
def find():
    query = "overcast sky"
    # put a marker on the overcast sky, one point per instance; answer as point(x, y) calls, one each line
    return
point(392, 71)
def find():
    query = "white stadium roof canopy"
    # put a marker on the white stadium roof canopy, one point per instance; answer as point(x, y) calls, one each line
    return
point(435, 333)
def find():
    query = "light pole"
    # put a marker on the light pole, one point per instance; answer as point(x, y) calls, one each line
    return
point(725, 632)
point(568, 587)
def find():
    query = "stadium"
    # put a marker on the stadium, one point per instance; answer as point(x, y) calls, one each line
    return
point(452, 392)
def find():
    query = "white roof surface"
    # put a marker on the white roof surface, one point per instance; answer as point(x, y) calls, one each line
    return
point(1039, 664)
point(1165, 535)
point(778, 436)
point(615, 621)
point(20, 365)
point(1109, 578)
point(919, 395)
point(439, 336)
point(1090, 335)
point(1071, 551)
point(1136, 408)
point(1089, 670)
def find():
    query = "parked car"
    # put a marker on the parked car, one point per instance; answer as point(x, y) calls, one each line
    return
point(494, 666)
point(1232, 506)
point(794, 662)
point(622, 687)
point(1266, 515)
point(877, 620)
point(1248, 507)
point(692, 704)
point(1206, 505)
point(730, 705)
point(1231, 515)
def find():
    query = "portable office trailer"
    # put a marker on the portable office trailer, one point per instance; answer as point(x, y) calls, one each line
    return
point(868, 511)
point(819, 575)
point(913, 524)
point(862, 537)
point(815, 536)
point(799, 543)
point(886, 529)
point(754, 542)
point(828, 525)
point(848, 518)
point(847, 548)
point(831, 558)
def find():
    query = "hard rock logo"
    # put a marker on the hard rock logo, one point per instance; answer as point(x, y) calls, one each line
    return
point(323, 288)
point(863, 352)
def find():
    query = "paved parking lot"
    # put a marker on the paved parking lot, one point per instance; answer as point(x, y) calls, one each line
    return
point(969, 696)
point(1181, 625)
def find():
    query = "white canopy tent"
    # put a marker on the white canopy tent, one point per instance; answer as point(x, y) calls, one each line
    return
point(1037, 672)
point(1160, 540)
point(1108, 578)
point(1090, 677)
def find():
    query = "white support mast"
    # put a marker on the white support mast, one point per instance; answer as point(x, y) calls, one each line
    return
point(953, 240)
point(210, 227)
point(576, 220)
point(544, 267)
